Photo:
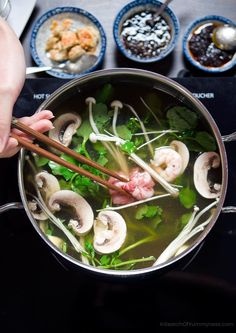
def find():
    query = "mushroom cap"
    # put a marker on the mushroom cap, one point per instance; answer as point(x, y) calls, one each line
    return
point(202, 165)
point(65, 127)
point(117, 104)
point(47, 183)
point(37, 213)
point(182, 149)
point(82, 213)
point(90, 100)
point(109, 232)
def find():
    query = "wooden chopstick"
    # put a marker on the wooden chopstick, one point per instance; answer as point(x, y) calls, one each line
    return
point(45, 139)
point(40, 151)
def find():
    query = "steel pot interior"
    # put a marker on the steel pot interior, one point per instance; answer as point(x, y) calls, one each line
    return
point(67, 92)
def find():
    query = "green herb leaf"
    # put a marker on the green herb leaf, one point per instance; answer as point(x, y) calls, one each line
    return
point(76, 141)
point(64, 185)
point(81, 150)
point(193, 145)
point(138, 140)
point(116, 261)
point(90, 249)
point(124, 132)
point(156, 221)
point(99, 147)
point(40, 160)
point(105, 260)
point(181, 118)
point(101, 116)
point(84, 186)
point(187, 197)
point(59, 170)
point(133, 125)
point(154, 102)
point(49, 229)
point(148, 211)
point(128, 147)
point(84, 130)
point(102, 160)
point(206, 140)
point(105, 94)
point(64, 247)
point(184, 219)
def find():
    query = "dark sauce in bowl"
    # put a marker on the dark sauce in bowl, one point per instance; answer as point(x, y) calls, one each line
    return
point(203, 49)
point(144, 35)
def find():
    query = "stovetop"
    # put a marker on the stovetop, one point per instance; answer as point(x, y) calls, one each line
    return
point(39, 294)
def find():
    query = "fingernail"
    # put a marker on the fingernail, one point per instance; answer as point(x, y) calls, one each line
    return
point(2, 145)
point(51, 114)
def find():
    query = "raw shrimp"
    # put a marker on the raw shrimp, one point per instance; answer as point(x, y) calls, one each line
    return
point(167, 162)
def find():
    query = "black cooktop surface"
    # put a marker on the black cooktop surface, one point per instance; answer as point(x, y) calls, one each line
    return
point(38, 294)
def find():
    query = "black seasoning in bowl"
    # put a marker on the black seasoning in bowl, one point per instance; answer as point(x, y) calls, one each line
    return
point(144, 39)
point(141, 35)
point(199, 47)
point(204, 50)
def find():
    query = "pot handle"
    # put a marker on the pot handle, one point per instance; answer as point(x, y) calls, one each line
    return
point(229, 137)
point(12, 205)
point(229, 209)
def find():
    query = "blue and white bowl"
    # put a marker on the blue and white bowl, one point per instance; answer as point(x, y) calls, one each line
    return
point(192, 27)
point(41, 32)
point(138, 6)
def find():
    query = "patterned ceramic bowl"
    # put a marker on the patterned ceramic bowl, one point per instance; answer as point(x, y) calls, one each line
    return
point(54, 24)
point(141, 36)
point(199, 49)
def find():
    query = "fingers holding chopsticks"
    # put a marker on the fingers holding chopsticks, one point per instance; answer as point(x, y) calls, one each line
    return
point(40, 122)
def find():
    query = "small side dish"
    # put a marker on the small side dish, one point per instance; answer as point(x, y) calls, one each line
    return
point(69, 39)
point(68, 43)
point(203, 49)
point(200, 48)
point(143, 36)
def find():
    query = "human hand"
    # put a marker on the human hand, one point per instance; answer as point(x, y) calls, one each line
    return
point(12, 73)
point(39, 122)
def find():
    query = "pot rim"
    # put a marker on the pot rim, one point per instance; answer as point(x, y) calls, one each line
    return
point(210, 120)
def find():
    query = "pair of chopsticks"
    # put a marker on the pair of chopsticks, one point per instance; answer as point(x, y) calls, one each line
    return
point(52, 143)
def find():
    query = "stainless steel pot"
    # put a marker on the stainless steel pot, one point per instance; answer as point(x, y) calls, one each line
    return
point(72, 89)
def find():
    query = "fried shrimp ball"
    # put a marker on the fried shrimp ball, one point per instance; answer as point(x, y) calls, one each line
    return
point(88, 38)
point(68, 39)
point(75, 52)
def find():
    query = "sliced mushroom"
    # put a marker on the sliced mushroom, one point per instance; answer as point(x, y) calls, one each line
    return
point(37, 213)
point(65, 127)
point(109, 232)
point(81, 212)
point(182, 149)
point(47, 183)
point(202, 166)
